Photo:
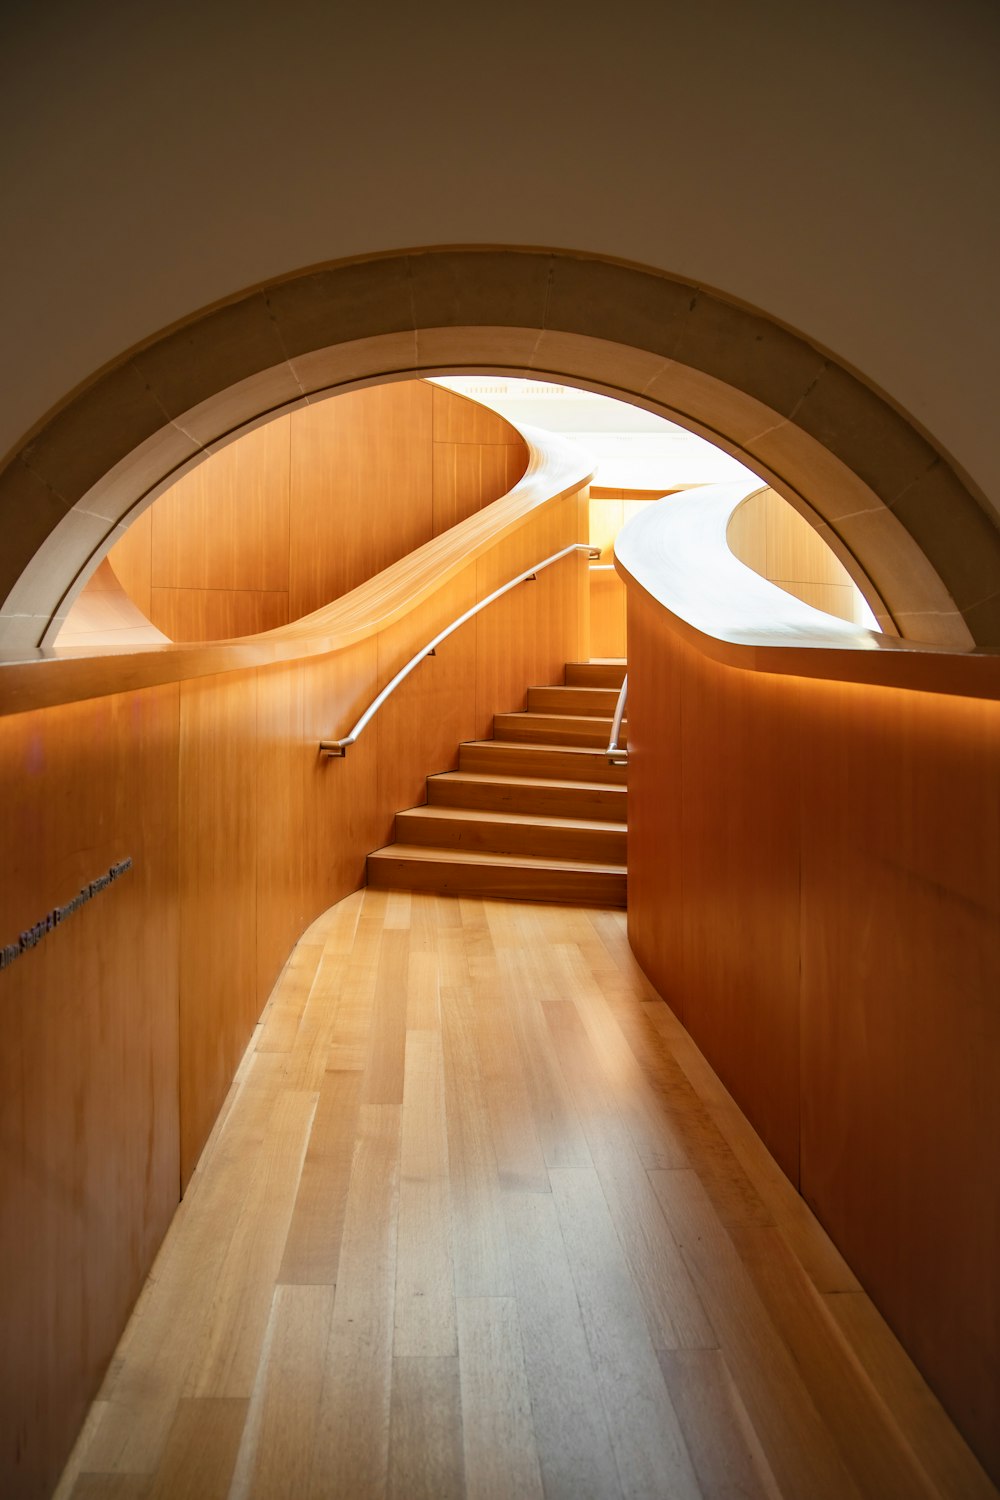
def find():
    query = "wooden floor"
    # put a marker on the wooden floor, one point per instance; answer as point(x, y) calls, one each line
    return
point(479, 1220)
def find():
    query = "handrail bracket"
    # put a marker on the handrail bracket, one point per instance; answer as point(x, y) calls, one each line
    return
point(617, 755)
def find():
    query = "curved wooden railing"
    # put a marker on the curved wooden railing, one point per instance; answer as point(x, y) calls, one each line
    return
point(676, 551)
point(814, 886)
point(46, 676)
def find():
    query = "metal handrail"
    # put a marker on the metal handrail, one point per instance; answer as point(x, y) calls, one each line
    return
point(618, 754)
point(339, 747)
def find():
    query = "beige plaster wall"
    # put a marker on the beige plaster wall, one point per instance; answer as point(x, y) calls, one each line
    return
point(831, 165)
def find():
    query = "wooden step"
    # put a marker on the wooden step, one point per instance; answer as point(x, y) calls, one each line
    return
point(535, 814)
point(607, 674)
point(558, 729)
point(528, 794)
point(592, 701)
point(576, 839)
point(520, 877)
point(551, 762)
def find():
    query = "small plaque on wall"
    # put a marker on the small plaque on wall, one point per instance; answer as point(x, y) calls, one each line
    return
point(32, 936)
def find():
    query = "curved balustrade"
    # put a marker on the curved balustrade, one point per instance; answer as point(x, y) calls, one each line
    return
point(676, 551)
point(45, 676)
point(814, 887)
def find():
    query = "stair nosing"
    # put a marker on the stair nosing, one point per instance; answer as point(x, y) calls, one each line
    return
point(618, 787)
point(530, 820)
point(431, 853)
point(536, 745)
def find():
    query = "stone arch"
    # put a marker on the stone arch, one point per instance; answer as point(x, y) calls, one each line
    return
point(908, 525)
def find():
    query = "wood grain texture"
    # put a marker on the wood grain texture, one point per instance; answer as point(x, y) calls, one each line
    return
point(550, 496)
point(218, 894)
point(551, 1382)
point(190, 614)
point(89, 1168)
point(241, 836)
point(900, 1021)
point(608, 632)
point(814, 884)
point(302, 509)
point(771, 537)
point(459, 419)
point(225, 525)
point(361, 489)
point(501, 1459)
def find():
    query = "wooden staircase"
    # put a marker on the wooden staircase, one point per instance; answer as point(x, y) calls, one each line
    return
point(534, 814)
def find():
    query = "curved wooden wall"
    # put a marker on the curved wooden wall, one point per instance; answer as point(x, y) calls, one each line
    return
point(780, 544)
point(814, 887)
point(124, 1024)
point(304, 508)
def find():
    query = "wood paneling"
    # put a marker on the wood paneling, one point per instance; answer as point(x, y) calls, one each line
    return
point(217, 614)
point(89, 1068)
point(558, 477)
point(218, 893)
point(606, 520)
point(459, 420)
point(607, 615)
point(519, 637)
point(125, 1025)
point(316, 818)
point(301, 510)
point(225, 525)
point(610, 509)
point(814, 884)
point(771, 537)
point(361, 487)
point(901, 1020)
point(469, 475)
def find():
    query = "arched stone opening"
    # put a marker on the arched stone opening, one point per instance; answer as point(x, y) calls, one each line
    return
point(894, 508)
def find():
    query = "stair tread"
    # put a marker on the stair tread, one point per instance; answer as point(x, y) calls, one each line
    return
point(543, 713)
point(570, 688)
point(428, 853)
point(567, 763)
point(563, 693)
point(495, 779)
point(529, 820)
point(525, 745)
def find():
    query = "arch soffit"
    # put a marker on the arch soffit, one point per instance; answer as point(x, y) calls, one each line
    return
point(895, 510)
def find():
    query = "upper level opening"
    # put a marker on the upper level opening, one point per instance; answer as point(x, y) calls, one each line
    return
point(303, 508)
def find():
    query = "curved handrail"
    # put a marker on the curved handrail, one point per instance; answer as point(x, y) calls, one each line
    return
point(676, 550)
point(340, 747)
point(47, 676)
point(618, 754)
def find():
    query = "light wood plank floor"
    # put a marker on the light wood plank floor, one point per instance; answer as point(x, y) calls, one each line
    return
point(478, 1219)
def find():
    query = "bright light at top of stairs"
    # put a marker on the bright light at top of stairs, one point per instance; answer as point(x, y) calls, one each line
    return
point(632, 448)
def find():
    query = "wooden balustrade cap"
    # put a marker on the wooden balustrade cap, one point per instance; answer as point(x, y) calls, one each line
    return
point(677, 553)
